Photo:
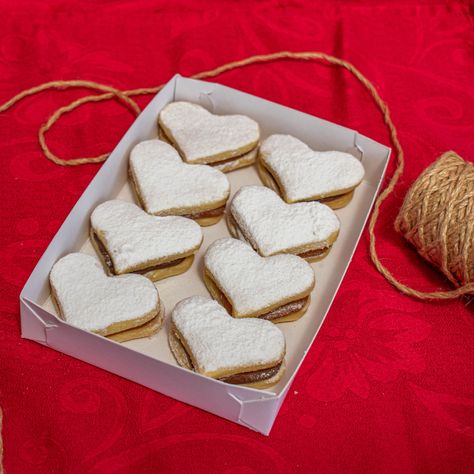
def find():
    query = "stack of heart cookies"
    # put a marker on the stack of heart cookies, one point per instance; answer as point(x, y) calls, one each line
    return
point(165, 185)
point(226, 142)
point(257, 278)
point(298, 173)
point(120, 308)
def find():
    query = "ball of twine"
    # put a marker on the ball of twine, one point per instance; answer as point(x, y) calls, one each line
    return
point(437, 217)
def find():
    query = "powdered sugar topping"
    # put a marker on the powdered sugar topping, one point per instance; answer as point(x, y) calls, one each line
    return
point(219, 342)
point(132, 237)
point(166, 184)
point(272, 226)
point(304, 173)
point(91, 300)
point(252, 282)
point(200, 134)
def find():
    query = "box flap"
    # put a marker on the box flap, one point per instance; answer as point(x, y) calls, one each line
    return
point(34, 321)
point(259, 413)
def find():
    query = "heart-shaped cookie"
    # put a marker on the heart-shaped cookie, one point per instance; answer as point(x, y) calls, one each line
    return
point(259, 216)
point(274, 288)
point(130, 240)
point(219, 346)
point(299, 173)
point(202, 137)
point(166, 186)
point(89, 299)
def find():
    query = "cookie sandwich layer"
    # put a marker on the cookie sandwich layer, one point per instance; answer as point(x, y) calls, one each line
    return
point(203, 337)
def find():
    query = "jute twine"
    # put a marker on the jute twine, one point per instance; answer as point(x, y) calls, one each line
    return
point(437, 217)
point(440, 237)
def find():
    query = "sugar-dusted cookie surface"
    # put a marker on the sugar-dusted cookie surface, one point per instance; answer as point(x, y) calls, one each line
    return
point(168, 186)
point(135, 240)
point(202, 137)
point(303, 174)
point(91, 300)
point(272, 226)
point(255, 284)
point(220, 345)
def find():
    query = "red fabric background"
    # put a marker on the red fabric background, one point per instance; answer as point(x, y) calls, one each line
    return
point(388, 384)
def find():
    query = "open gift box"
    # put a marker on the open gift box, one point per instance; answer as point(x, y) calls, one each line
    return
point(149, 361)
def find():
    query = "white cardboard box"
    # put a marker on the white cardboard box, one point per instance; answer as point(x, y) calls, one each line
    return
point(148, 361)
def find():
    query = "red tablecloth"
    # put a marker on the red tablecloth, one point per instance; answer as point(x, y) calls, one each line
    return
point(388, 384)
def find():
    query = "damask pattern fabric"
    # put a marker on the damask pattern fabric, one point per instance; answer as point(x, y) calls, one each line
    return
point(388, 384)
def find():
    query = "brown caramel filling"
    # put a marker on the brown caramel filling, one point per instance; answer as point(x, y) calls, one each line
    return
point(280, 312)
point(110, 264)
point(252, 377)
point(218, 211)
point(285, 310)
point(312, 253)
point(331, 198)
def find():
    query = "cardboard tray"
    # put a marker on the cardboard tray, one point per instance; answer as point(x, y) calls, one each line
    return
point(149, 361)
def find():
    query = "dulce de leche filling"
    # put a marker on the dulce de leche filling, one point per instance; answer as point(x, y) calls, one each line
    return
point(218, 211)
point(110, 264)
point(312, 253)
point(252, 377)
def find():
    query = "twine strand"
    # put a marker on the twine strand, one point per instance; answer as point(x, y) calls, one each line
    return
point(112, 92)
point(124, 98)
